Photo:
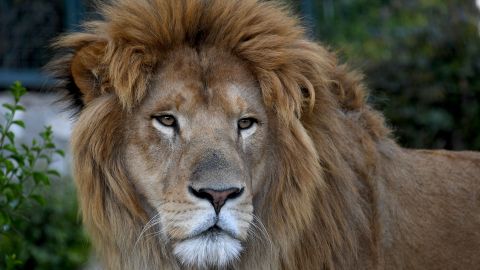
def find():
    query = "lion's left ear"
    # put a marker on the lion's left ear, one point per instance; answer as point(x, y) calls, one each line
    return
point(86, 70)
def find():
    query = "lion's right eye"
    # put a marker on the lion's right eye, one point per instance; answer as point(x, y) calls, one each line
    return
point(166, 120)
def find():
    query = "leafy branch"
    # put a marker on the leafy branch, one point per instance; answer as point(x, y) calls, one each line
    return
point(23, 170)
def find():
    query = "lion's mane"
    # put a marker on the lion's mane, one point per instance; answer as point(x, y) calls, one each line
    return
point(317, 202)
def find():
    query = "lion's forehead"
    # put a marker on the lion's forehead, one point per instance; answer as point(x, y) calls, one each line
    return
point(213, 79)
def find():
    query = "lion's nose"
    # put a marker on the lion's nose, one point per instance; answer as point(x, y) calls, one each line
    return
point(217, 197)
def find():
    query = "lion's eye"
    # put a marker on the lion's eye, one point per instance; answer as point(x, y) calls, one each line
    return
point(166, 120)
point(246, 123)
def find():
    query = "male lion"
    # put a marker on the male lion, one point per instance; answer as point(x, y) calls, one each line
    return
point(214, 134)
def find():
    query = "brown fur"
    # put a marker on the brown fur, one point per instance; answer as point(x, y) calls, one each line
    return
point(338, 193)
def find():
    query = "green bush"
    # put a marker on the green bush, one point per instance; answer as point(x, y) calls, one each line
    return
point(39, 227)
point(422, 63)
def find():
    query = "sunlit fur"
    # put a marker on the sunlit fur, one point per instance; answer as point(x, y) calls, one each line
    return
point(340, 194)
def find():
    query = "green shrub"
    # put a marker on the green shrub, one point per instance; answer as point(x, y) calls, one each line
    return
point(421, 60)
point(39, 229)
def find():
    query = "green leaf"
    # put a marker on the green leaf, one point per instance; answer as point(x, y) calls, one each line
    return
point(9, 165)
point(9, 107)
point(31, 159)
point(47, 133)
point(18, 90)
point(20, 159)
point(41, 178)
point(11, 148)
point(19, 123)
point(50, 146)
point(60, 152)
point(54, 172)
point(11, 137)
point(38, 198)
point(25, 148)
point(19, 108)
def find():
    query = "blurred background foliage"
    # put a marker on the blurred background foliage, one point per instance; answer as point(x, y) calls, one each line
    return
point(48, 236)
point(421, 60)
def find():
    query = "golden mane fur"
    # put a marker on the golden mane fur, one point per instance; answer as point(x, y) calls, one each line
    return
point(342, 195)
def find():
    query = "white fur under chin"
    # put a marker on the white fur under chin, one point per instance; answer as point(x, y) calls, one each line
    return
point(208, 250)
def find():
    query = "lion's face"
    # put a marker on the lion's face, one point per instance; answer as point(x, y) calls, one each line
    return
point(197, 151)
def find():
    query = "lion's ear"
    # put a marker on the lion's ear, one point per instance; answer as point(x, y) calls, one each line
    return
point(86, 70)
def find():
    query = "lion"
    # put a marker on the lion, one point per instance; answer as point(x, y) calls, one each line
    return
point(216, 135)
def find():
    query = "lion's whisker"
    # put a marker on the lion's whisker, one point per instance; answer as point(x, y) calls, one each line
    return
point(152, 222)
point(258, 224)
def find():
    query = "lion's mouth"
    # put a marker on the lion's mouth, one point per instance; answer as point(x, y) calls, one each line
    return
point(211, 228)
point(212, 247)
point(214, 232)
point(215, 229)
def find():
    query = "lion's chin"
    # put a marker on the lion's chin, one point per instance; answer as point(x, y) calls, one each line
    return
point(208, 250)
